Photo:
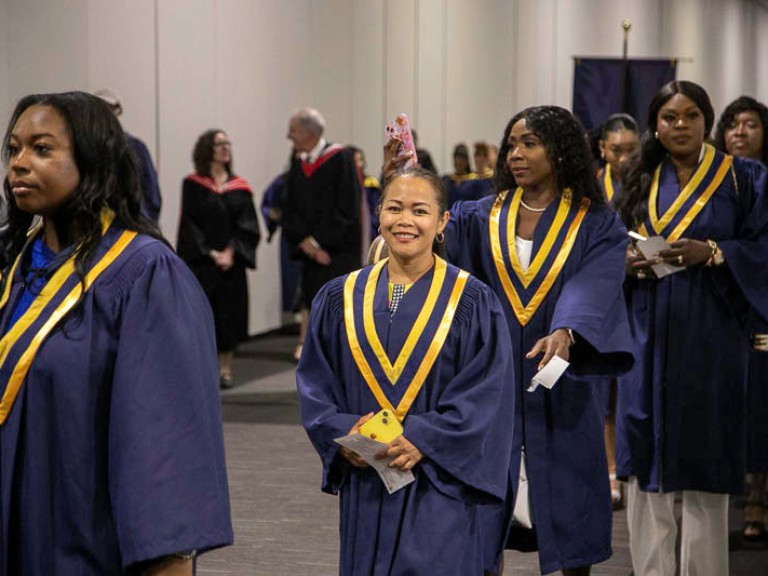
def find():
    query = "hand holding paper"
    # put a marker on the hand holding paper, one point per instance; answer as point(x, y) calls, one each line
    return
point(650, 248)
point(369, 450)
point(549, 374)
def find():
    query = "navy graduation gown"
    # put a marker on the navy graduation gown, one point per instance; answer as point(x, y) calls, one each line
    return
point(322, 200)
point(562, 428)
point(112, 453)
point(681, 411)
point(450, 520)
point(272, 212)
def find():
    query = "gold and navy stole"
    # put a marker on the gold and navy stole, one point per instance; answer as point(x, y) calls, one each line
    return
point(236, 183)
point(60, 294)
point(690, 201)
point(327, 153)
point(371, 182)
point(459, 178)
point(526, 289)
point(399, 383)
point(607, 182)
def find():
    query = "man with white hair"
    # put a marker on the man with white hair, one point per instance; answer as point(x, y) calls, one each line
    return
point(321, 214)
point(150, 200)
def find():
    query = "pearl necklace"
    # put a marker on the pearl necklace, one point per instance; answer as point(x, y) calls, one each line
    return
point(530, 208)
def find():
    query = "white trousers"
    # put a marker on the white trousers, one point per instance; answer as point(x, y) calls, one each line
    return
point(653, 532)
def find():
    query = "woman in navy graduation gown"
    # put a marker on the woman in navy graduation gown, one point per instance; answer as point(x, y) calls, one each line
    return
point(429, 343)
point(681, 410)
point(554, 253)
point(619, 142)
point(462, 173)
point(111, 448)
point(741, 131)
point(218, 236)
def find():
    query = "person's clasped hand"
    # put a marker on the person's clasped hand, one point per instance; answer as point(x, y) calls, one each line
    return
point(403, 453)
point(687, 252)
point(637, 265)
point(349, 455)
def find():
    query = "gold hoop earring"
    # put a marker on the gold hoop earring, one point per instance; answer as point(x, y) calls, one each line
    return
point(656, 135)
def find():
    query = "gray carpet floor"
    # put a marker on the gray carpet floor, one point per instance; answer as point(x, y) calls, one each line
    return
point(284, 525)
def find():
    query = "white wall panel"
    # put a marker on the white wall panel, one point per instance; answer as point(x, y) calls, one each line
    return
point(431, 95)
point(6, 105)
point(121, 55)
point(367, 89)
point(480, 71)
point(401, 59)
point(47, 46)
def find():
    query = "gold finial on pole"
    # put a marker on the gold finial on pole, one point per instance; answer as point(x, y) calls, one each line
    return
point(626, 25)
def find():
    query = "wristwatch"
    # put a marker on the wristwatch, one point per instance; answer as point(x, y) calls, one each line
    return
point(187, 555)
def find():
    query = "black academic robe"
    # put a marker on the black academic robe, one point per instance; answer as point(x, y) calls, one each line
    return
point(322, 200)
point(212, 218)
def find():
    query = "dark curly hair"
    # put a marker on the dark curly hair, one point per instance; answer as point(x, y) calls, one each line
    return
point(566, 147)
point(742, 104)
point(109, 177)
point(632, 204)
point(202, 155)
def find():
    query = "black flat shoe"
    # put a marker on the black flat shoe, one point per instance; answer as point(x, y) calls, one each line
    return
point(225, 381)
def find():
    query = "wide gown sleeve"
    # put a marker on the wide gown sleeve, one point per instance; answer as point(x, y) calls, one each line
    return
point(192, 244)
point(467, 434)
point(246, 233)
point(591, 302)
point(746, 255)
point(324, 411)
point(167, 474)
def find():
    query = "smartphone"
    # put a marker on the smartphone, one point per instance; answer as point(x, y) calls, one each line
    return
point(400, 129)
point(383, 427)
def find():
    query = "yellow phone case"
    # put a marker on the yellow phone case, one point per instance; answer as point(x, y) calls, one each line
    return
point(383, 427)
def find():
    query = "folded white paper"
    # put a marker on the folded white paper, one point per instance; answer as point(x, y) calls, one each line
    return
point(650, 249)
point(550, 374)
point(393, 478)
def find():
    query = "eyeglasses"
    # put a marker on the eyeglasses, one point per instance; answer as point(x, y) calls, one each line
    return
point(223, 144)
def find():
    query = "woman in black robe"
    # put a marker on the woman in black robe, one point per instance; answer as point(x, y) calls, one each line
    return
point(218, 236)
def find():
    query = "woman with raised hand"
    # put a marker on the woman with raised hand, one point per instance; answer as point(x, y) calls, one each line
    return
point(551, 249)
point(111, 448)
point(427, 343)
point(681, 409)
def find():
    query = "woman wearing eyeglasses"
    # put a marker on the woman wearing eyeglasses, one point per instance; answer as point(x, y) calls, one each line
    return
point(218, 236)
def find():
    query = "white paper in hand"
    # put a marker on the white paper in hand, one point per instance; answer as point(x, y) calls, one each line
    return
point(650, 249)
point(367, 449)
point(550, 374)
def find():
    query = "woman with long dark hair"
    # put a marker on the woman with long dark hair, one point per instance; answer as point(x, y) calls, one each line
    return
point(111, 448)
point(218, 236)
point(681, 408)
point(552, 250)
point(741, 131)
